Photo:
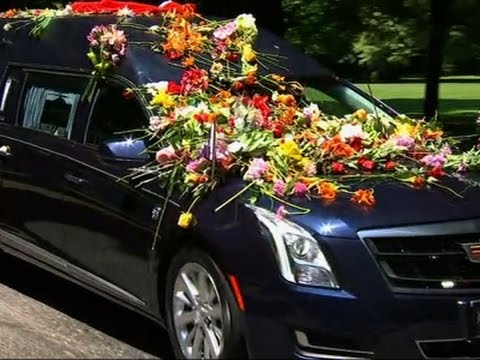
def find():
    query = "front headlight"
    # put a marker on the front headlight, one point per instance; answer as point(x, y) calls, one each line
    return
point(299, 256)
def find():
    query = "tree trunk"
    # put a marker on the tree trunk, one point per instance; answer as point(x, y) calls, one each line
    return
point(440, 24)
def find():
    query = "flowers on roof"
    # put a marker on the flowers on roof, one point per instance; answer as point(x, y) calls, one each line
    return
point(230, 114)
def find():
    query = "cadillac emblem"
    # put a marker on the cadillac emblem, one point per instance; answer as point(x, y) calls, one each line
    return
point(473, 251)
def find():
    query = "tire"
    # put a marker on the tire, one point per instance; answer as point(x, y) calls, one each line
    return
point(207, 325)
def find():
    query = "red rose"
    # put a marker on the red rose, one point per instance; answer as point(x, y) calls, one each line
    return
point(233, 57)
point(390, 165)
point(174, 88)
point(356, 143)
point(338, 168)
point(278, 129)
point(436, 172)
point(367, 164)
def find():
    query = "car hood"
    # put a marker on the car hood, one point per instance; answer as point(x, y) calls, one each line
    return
point(396, 205)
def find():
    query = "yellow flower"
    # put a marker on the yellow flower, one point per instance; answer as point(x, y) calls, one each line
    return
point(185, 220)
point(405, 130)
point(290, 149)
point(191, 177)
point(248, 53)
point(163, 99)
point(361, 114)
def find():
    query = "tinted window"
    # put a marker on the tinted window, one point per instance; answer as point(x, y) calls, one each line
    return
point(113, 113)
point(51, 103)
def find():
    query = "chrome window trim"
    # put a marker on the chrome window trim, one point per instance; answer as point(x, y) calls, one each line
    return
point(6, 91)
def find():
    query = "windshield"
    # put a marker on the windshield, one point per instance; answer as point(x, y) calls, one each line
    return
point(337, 98)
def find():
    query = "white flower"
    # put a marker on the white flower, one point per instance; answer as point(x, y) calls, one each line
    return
point(246, 24)
point(350, 131)
point(7, 27)
point(125, 12)
point(66, 11)
point(156, 87)
point(239, 123)
point(311, 111)
point(235, 147)
point(154, 29)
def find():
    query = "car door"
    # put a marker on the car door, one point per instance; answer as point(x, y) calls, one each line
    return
point(37, 128)
point(111, 225)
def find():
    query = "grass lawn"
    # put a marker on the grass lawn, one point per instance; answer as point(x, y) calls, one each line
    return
point(459, 102)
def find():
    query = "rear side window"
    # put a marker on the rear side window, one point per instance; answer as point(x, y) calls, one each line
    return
point(51, 102)
point(113, 114)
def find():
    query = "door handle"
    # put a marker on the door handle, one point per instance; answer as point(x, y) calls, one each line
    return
point(74, 179)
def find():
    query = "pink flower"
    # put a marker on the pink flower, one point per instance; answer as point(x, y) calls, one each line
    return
point(258, 167)
point(281, 212)
point(166, 154)
point(462, 168)
point(197, 165)
point(225, 31)
point(434, 160)
point(279, 188)
point(300, 189)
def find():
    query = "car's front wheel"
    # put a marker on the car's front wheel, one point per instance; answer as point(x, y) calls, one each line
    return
point(202, 315)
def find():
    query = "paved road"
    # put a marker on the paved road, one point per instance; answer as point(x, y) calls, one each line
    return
point(42, 316)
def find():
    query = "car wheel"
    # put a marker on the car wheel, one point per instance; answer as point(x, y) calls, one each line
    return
point(202, 315)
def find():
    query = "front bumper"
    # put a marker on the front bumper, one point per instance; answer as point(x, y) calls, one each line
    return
point(308, 323)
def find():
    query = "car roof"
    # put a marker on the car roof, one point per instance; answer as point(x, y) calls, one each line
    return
point(64, 45)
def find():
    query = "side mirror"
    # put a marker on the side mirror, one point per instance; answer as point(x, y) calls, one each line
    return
point(123, 149)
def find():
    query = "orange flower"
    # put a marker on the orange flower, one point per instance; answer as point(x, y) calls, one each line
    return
point(278, 78)
point(189, 61)
point(433, 135)
point(327, 190)
point(337, 147)
point(418, 181)
point(364, 197)
point(286, 99)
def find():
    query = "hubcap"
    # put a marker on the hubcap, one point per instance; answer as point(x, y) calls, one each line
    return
point(197, 313)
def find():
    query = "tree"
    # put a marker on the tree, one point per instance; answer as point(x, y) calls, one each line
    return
point(440, 19)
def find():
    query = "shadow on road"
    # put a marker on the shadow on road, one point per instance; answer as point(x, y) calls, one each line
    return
point(84, 306)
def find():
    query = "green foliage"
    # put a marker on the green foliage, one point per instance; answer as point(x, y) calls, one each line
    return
point(385, 46)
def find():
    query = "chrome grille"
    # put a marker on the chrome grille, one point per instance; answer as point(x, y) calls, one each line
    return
point(423, 259)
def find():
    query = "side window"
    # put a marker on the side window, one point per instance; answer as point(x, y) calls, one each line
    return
point(112, 114)
point(51, 102)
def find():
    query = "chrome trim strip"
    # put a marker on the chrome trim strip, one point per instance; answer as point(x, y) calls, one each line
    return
point(443, 228)
point(22, 248)
point(418, 342)
point(302, 340)
point(116, 178)
point(309, 354)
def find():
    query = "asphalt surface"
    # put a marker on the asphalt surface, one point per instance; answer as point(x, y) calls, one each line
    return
point(42, 316)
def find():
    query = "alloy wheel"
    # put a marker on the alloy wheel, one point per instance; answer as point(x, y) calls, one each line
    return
point(198, 314)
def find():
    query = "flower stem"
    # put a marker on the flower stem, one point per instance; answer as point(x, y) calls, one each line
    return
point(235, 196)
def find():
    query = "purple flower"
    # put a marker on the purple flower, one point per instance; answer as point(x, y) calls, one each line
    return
point(300, 189)
point(258, 167)
point(434, 160)
point(279, 188)
point(404, 141)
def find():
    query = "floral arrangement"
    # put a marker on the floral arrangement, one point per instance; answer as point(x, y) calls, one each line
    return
point(229, 115)
point(108, 46)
